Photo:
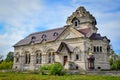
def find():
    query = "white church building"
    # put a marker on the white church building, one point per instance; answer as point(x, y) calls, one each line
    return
point(76, 45)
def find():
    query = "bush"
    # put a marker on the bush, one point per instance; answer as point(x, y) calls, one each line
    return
point(116, 65)
point(43, 69)
point(6, 65)
point(55, 69)
point(111, 61)
point(52, 69)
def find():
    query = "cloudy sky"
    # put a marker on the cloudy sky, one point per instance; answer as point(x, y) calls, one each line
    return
point(19, 18)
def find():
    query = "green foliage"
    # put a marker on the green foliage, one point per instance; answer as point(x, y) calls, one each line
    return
point(112, 52)
point(1, 58)
point(116, 65)
point(52, 69)
point(6, 65)
point(26, 76)
point(43, 69)
point(111, 61)
point(9, 57)
point(55, 69)
point(8, 62)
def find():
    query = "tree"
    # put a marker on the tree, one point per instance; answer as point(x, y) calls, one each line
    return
point(10, 57)
point(116, 65)
point(1, 58)
point(114, 61)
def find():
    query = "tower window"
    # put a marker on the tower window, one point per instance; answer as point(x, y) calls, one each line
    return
point(76, 23)
point(97, 49)
point(100, 49)
point(94, 49)
point(77, 56)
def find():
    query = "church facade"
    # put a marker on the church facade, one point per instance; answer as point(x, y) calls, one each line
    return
point(76, 46)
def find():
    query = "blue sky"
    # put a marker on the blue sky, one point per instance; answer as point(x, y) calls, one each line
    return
point(19, 18)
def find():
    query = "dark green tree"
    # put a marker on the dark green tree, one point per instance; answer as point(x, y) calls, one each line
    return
point(114, 61)
point(1, 58)
point(10, 57)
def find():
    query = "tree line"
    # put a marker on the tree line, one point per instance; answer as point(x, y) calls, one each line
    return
point(7, 63)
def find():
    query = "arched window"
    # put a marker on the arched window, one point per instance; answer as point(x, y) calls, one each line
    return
point(38, 57)
point(91, 62)
point(77, 54)
point(94, 48)
point(51, 56)
point(27, 58)
point(75, 22)
point(97, 49)
point(17, 57)
point(100, 49)
point(108, 48)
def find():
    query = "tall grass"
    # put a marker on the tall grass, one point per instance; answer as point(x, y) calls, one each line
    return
point(23, 76)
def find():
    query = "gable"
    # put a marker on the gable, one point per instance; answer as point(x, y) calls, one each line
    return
point(70, 33)
point(63, 48)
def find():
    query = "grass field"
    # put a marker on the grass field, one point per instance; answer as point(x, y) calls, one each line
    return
point(26, 76)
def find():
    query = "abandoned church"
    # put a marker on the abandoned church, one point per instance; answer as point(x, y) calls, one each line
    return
point(76, 45)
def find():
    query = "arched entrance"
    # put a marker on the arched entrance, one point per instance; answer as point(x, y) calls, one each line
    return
point(91, 61)
point(65, 60)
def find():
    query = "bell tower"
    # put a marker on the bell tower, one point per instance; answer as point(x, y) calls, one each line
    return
point(81, 19)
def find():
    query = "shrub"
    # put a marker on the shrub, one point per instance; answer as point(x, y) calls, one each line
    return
point(6, 65)
point(43, 69)
point(52, 69)
point(55, 69)
point(111, 61)
point(116, 65)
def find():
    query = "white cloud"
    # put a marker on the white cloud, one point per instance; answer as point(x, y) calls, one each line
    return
point(22, 17)
point(19, 17)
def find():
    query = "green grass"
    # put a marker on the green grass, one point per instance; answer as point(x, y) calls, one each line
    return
point(26, 76)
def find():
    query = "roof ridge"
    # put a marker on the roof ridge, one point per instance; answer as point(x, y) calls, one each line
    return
point(47, 30)
point(44, 31)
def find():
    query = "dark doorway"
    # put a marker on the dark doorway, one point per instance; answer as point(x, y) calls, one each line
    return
point(91, 62)
point(65, 60)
